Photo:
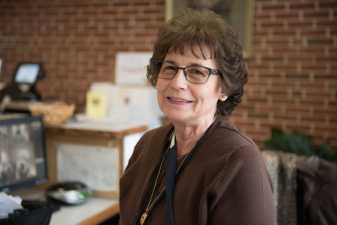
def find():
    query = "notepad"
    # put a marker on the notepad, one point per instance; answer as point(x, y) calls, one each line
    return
point(97, 105)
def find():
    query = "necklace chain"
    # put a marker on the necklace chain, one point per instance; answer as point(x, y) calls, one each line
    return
point(150, 202)
point(153, 200)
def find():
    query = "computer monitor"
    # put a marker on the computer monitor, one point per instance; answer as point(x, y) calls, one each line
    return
point(27, 73)
point(23, 161)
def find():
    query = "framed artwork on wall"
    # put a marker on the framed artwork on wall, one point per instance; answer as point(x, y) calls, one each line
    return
point(131, 68)
point(238, 13)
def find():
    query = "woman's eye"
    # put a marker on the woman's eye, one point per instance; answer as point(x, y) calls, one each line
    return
point(169, 69)
point(197, 72)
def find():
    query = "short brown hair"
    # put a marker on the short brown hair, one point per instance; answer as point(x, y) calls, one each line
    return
point(199, 29)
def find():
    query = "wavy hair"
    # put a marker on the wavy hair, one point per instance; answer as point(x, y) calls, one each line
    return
point(208, 32)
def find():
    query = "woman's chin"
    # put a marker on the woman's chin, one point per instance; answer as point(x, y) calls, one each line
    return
point(174, 117)
point(179, 118)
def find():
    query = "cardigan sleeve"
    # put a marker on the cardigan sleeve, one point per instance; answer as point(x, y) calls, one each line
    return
point(247, 198)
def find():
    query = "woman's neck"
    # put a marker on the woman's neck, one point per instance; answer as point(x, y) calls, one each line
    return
point(188, 135)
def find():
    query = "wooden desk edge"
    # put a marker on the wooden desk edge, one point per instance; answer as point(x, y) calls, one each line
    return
point(102, 216)
point(116, 133)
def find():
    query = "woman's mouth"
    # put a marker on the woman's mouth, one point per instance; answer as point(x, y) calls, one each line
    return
point(177, 100)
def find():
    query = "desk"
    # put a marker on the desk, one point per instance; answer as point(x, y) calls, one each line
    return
point(92, 152)
point(93, 212)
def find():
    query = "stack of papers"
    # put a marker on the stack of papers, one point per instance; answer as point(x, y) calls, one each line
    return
point(8, 204)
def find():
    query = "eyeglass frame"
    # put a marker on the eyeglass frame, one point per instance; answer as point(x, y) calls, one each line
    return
point(211, 71)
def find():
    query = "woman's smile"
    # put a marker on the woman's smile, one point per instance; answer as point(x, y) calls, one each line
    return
point(178, 101)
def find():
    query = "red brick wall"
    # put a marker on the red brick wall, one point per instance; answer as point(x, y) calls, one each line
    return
point(77, 40)
point(293, 78)
point(292, 83)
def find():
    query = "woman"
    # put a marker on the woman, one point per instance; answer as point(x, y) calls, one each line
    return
point(218, 174)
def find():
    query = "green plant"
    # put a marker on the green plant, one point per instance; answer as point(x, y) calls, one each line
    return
point(299, 144)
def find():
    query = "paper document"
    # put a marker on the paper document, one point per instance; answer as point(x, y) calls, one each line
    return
point(8, 204)
point(96, 104)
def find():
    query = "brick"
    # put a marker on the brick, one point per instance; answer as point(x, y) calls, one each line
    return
point(271, 107)
point(326, 23)
point(301, 5)
point(299, 127)
point(316, 14)
point(260, 115)
point(263, 16)
point(319, 41)
point(314, 32)
point(273, 6)
point(294, 25)
point(285, 48)
point(285, 68)
point(297, 76)
point(322, 76)
point(272, 24)
point(279, 32)
point(285, 15)
point(332, 4)
point(277, 98)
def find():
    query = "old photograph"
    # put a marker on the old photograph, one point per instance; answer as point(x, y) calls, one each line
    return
point(17, 157)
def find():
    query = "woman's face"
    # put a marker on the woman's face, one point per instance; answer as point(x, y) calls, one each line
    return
point(185, 102)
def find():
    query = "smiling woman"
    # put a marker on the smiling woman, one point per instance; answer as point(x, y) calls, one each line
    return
point(199, 169)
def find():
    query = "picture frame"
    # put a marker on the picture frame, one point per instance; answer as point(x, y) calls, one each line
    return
point(23, 161)
point(131, 68)
point(238, 13)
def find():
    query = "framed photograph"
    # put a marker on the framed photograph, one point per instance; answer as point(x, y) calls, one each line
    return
point(131, 67)
point(22, 152)
point(238, 13)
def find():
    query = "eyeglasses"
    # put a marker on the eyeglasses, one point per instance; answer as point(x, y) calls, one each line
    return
point(195, 74)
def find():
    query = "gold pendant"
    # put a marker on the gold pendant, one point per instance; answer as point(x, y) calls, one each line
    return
point(143, 218)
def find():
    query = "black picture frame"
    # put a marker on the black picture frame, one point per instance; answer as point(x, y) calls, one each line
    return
point(238, 13)
point(23, 152)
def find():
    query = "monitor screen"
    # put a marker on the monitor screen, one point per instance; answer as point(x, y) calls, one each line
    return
point(27, 73)
point(23, 161)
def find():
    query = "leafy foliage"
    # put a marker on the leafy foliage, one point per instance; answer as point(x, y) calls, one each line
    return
point(299, 144)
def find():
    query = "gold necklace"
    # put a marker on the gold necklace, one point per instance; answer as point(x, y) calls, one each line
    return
point(150, 202)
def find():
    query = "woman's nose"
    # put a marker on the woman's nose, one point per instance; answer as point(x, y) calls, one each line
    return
point(179, 80)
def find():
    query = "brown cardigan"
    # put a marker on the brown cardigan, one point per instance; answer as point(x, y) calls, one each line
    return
point(225, 182)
